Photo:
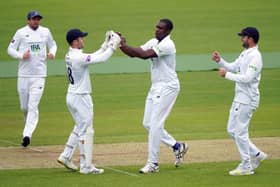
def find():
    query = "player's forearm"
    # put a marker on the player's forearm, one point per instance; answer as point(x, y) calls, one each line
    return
point(130, 51)
point(246, 78)
point(99, 51)
point(133, 52)
point(101, 57)
point(228, 66)
point(14, 53)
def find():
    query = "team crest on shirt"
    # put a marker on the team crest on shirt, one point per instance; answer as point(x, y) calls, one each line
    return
point(88, 58)
point(13, 41)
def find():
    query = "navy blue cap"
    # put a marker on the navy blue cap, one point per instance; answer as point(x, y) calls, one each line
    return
point(251, 32)
point(73, 34)
point(33, 14)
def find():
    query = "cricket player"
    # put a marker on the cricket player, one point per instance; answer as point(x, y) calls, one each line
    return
point(245, 71)
point(163, 92)
point(79, 99)
point(29, 45)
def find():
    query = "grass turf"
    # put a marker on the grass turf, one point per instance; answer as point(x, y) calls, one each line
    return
point(195, 175)
point(201, 109)
point(200, 26)
point(200, 112)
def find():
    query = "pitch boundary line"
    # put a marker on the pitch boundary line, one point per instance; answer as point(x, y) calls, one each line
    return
point(121, 171)
point(13, 143)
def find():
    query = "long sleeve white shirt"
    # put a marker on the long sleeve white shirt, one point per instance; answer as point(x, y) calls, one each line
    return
point(77, 68)
point(246, 72)
point(36, 41)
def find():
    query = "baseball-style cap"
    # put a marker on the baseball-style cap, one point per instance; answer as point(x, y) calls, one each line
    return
point(33, 14)
point(73, 34)
point(251, 32)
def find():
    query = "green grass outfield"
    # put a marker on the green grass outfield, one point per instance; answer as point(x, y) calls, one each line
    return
point(200, 26)
point(194, 175)
point(200, 112)
point(124, 64)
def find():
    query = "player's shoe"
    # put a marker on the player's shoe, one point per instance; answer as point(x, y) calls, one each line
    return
point(180, 153)
point(149, 168)
point(239, 171)
point(256, 160)
point(25, 141)
point(91, 170)
point(67, 163)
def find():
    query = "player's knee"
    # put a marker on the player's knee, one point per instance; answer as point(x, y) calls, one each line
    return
point(240, 133)
point(231, 133)
point(156, 127)
point(146, 126)
point(90, 130)
point(23, 109)
point(87, 122)
point(32, 108)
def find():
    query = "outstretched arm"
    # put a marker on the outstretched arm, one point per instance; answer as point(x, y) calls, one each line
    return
point(136, 51)
point(105, 52)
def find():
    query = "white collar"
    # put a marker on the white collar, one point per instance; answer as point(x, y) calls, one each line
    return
point(250, 49)
point(75, 49)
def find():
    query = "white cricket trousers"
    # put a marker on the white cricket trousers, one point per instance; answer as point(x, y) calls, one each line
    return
point(81, 109)
point(30, 91)
point(159, 103)
point(238, 125)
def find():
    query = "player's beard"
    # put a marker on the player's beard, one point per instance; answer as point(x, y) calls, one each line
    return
point(34, 26)
point(160, 37)
point(245, 45)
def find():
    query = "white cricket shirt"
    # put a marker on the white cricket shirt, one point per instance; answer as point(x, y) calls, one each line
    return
point(77, 68)
point(36, 41)
point(164, 65)
point(246, 72)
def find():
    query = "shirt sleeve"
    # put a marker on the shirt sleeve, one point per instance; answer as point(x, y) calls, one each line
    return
point(51, 44)
point(231, 67)
point(253, 70)
point(165, 48)
point(97, 57)
point(13, 46)
point(149, 44)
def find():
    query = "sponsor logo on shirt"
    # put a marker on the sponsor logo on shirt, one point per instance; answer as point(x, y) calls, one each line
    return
point(35, 47)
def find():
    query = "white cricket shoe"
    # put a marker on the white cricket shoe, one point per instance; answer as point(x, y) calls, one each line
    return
point(256, 160)
point(67, 163)
point(180, 153)
point(239, 171)
point(149, 168)
point(91, 170)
